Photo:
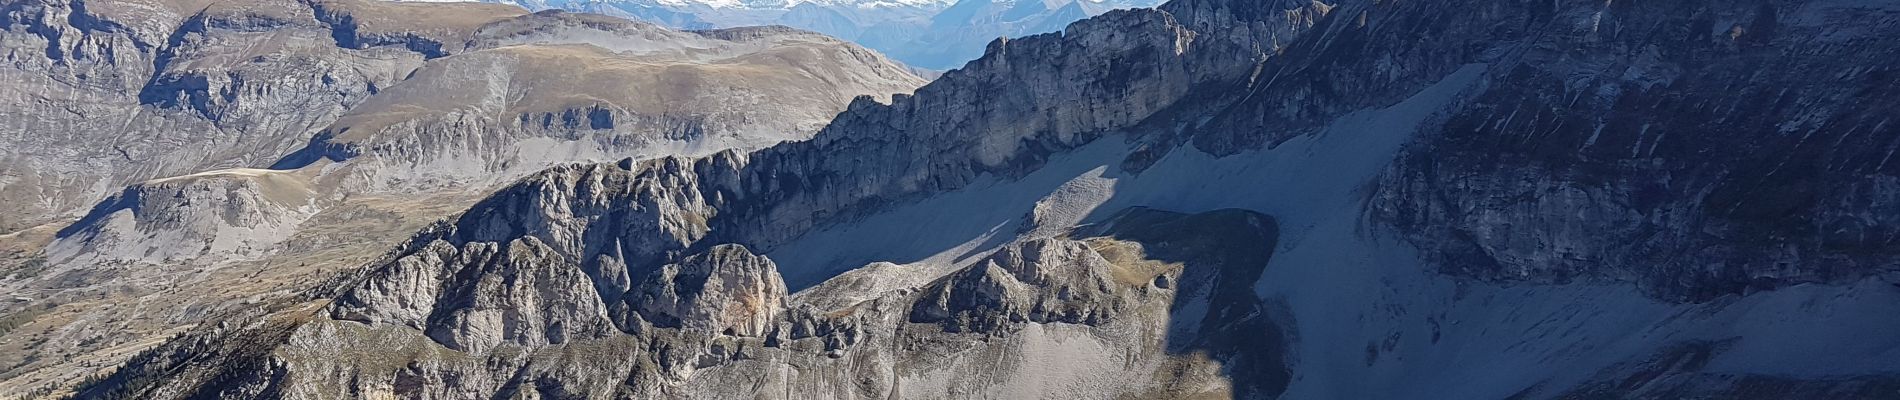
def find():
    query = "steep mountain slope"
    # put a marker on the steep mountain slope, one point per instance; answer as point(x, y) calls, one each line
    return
point(580, 87)
point(249, 81)
point(379, 159)
point(1732, 149)
point(114, 92)
point(1370, 199)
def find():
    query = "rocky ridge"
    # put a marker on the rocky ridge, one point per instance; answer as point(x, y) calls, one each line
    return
point(722, 336)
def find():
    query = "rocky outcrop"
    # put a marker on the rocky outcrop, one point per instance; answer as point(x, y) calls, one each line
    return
point(592, 236)
point(230, 214)
point(1041, 281)
point(721, 326)
point(542, 299)
point(527, 296)
point(727, 290)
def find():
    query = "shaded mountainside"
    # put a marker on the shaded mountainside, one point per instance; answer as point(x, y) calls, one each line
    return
point(1726, 148)
point(1369, 199)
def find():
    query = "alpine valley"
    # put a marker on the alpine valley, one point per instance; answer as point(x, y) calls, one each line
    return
point(1250, 199)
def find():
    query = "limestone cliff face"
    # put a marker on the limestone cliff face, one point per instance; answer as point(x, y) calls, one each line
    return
point(1005, 114)
point(727, 290)
point(574, 222)
point(718, 324)
point(603, 251)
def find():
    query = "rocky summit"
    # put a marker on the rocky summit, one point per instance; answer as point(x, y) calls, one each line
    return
point(1282, 199)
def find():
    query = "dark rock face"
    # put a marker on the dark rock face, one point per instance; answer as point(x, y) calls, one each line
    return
point(1698, 149)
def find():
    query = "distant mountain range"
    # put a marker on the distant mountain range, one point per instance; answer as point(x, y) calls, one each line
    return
point(929, 34)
